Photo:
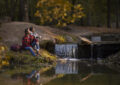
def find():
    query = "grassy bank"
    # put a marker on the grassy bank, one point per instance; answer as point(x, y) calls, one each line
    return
point(8, 58)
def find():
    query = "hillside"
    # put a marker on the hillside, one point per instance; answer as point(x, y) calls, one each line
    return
point(12, 33)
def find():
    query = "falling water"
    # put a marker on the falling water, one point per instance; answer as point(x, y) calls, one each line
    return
point(66, 50)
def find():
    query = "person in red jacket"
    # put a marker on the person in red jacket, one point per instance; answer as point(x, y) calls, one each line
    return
point(26, 42)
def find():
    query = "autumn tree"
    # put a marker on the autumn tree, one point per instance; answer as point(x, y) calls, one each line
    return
point(58, 12)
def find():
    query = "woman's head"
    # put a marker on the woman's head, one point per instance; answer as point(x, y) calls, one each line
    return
point(27, 31)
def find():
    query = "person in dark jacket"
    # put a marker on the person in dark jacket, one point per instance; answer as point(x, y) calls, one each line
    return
point(35, 40)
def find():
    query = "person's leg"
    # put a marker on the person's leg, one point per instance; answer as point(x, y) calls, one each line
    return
point(36, 46)
point(31, 50)
point(33, 44)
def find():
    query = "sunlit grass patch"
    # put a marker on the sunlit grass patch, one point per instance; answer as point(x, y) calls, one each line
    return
point(47, 55)
point(25, 57)
point(60, 75)
point(60, 39)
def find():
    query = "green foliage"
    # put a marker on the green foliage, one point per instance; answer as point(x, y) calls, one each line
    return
point(58, 12)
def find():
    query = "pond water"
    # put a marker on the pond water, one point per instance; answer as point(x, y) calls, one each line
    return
point(65, 72)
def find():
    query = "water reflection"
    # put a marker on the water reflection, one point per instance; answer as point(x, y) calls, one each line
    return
point(66, 72)
point(32, 78)
point(82, 67)
point(66, 67)
point(85, 73)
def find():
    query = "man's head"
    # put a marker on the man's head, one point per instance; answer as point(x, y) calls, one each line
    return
point(32, 29)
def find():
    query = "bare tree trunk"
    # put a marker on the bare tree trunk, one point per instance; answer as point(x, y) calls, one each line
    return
point(73, 3)
point(12, 9)
point(109, 13)
point(26, 16)
point(89, 19)
point(21, 10)
point(7, 8)
point(117, 13)
point(89, 14)
point(81, 22)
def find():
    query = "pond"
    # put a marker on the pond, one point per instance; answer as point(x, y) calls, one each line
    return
point(65, 72)
point(76, 65)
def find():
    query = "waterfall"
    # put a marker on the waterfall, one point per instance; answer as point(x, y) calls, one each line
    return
point(66, 50)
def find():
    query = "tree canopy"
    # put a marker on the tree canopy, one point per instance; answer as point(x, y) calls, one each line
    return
point(58, 12)
point(104, 13)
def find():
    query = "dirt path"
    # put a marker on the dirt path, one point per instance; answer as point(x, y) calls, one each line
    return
point(77, 30)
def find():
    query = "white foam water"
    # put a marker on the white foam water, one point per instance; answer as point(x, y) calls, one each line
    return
point(66, 50)
point(69, 59)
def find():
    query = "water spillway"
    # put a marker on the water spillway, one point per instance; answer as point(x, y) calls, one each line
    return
point(102, 46)
point(99, 48)
point(66, 50)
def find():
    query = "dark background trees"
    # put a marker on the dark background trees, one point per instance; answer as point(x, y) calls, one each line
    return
point(100, 13)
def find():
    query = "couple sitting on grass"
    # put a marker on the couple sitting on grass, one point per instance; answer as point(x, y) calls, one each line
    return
point(30, 41)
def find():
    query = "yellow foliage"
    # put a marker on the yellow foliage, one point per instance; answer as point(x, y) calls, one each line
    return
point(72, 20)
point(5, 63)
point(0, 65)
point(61, 39)
point(58, 10)
point(37, 14)
point(2, 48)
point(7, 57)
point(65, 14)
point(60, 75)
point(45, 69)
point(46, 54)
point(64, 24)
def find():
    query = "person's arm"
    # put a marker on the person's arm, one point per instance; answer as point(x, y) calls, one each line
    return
point(37, 36)
point(27, 43)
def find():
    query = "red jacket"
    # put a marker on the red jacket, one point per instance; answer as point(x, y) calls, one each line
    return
point(26, 41)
